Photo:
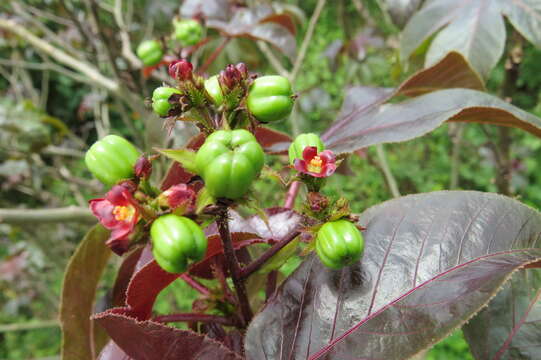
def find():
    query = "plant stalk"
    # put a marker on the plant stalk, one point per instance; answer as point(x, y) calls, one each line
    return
point(233, 265)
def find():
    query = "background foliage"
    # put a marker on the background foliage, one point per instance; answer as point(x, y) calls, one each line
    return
point(48, 119)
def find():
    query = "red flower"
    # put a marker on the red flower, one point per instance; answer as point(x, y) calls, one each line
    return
point(177, 196)
point(314, 164)
point(118, 212)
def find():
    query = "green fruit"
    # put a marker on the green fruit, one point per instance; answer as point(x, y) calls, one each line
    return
point(302, 141)
point(160, 99)
point(175, 240)
point(229, 161)
point(111, 159)
point(188, 32)
point(150, 52)
point(339, 243)
point(212, 85)
point(270, 98)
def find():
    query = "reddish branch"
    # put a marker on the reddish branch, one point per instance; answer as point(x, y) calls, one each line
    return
point(292, 194)
point(196, 285)
point(233, 265)
point(256, 264)
point(213, 56)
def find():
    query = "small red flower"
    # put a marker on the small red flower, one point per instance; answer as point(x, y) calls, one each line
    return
point(314, 164)
point(119, 213)
point(177, 196)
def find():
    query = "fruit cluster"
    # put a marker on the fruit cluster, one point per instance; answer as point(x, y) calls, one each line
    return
point(228, 108)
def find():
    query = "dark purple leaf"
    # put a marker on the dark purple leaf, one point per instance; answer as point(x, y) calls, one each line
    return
point(475, 28)
point(453, 71)
point(510, 328)
point(525, 15)
point(150, 340)
point(271, 140)
point(259, 23)
point(431, 261)
point(112, 352)
point(78, 291)
point(401, 10)
point(376, 123)
point(209, 9)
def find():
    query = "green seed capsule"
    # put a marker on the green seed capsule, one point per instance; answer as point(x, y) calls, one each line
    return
point(339, 243)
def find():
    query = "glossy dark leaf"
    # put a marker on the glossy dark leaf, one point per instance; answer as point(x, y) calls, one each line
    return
point(150, 340)
point(525, 15)
point(113, 352)
point(124, 275)
point(272, 141)
point(510, 328)
point(78, 291)
point(259, 23)
point(475, 28)
point(431, 261)
point(453, 71)
point(209, 9)
point(401, 10)
point(374, 124)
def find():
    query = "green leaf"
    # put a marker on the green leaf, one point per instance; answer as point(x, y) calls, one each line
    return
point(81, 279)
point(204, 198)
point(185, 157)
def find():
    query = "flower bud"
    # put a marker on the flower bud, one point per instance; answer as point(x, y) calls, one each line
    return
point(177, 196)
point(181, 70)
point(143, 167)
point(230, 77)
point(241, 67)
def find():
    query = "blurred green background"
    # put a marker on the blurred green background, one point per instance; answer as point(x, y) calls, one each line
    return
point(45, 131)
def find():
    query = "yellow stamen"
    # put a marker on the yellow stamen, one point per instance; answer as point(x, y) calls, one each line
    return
point(122, 213)
point(315, 164)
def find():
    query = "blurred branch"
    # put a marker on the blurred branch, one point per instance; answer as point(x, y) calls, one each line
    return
point(44, 67)
point(276, 64)
point(29, 216)
point(456, 138)
point(386, 170)
point(94, 75)
point(28, 326)
point(125, 37)
point(307, 39)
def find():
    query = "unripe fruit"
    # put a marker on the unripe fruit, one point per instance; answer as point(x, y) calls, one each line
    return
point(160, 99)
point(301, 142)
point(212, 85)
point(270, 98)
point(188, 32)
point(228, 162)
point(111, 159)
point(150, 52)
point(175, 240)
point(339, 243)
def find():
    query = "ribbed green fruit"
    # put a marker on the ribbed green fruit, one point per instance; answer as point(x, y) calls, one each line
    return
point(160, 99)
point(339, 243)
point(188, 32)
point(229, 161)
point(150, 52)
point(175, 240)
point(212, 85)
point(111, 159)
point(270, 98)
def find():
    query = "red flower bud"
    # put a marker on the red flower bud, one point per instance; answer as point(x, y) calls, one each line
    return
point(180, 195)
point(143, 167)
point(230, 77)
point(241, 67)
point(181, 70)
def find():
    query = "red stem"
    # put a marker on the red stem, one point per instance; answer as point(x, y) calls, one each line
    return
point(292, 194)
point(257, 263)
point(233, 266)
point(195, 284)
point(213, 56)
point(192, 317)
